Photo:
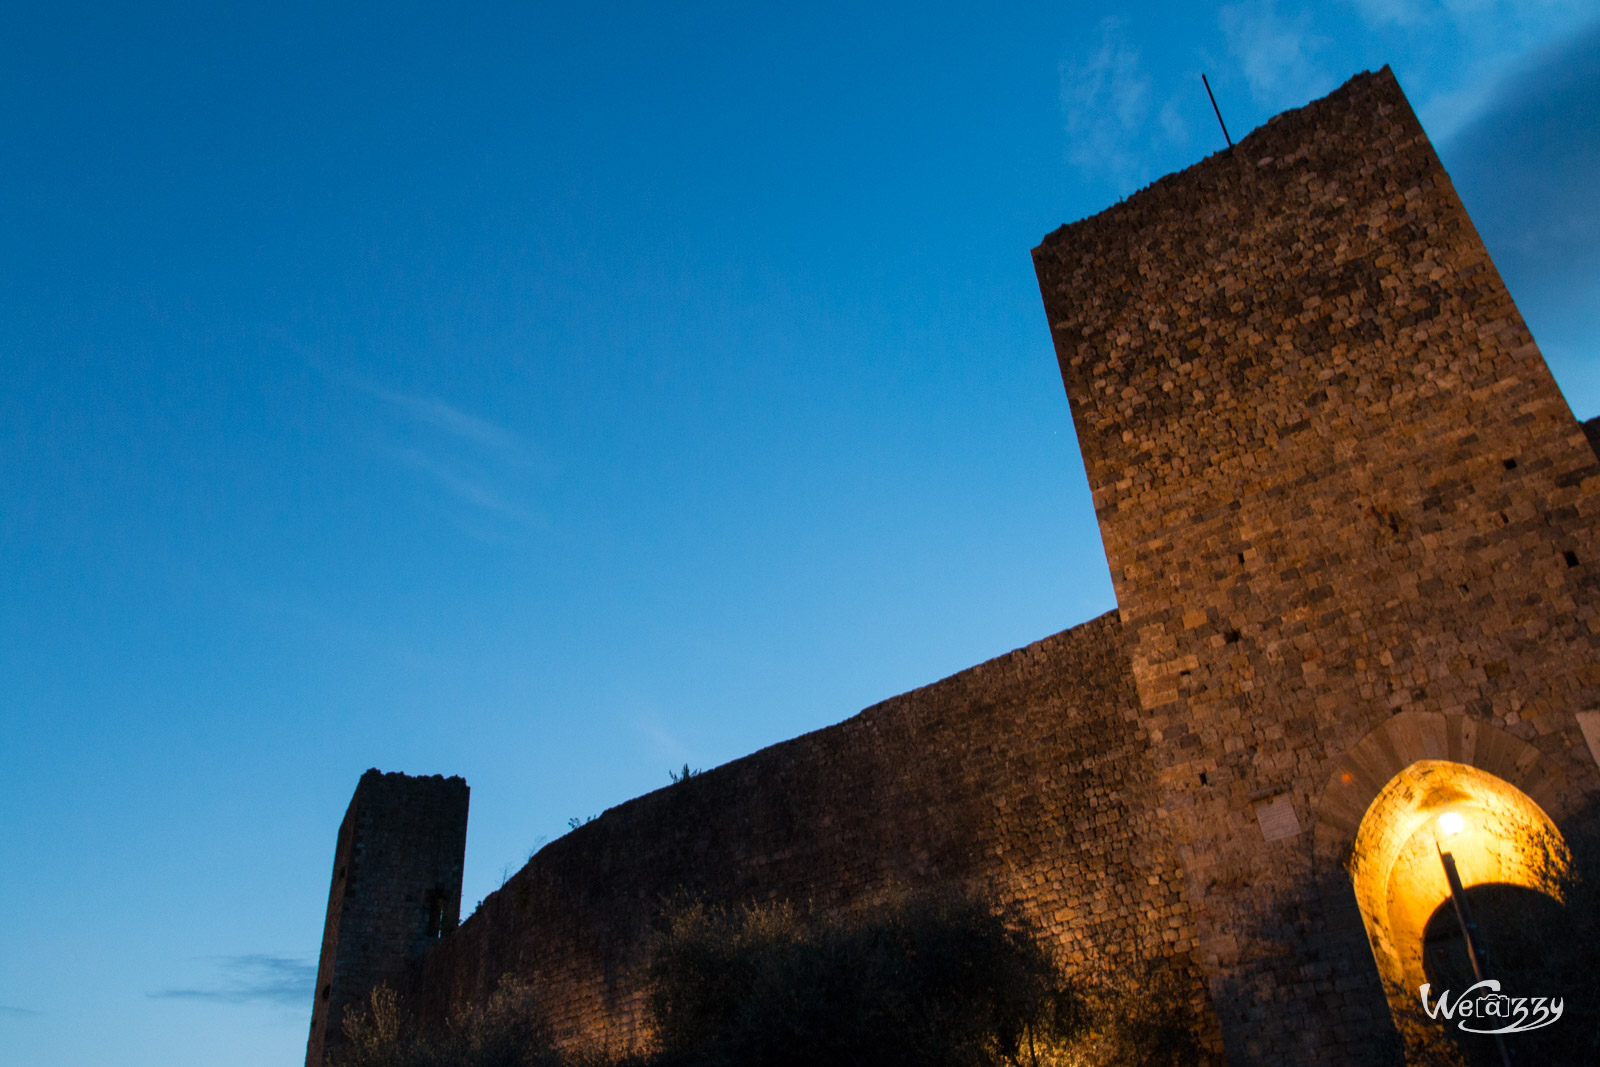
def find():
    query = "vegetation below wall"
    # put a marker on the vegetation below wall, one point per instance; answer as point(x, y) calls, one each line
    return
point(1028, 775)
point(933, 981)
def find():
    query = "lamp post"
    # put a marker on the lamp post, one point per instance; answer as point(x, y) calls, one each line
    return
point(1449, 825)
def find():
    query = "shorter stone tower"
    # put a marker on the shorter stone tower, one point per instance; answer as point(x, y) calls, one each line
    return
point(396, 890)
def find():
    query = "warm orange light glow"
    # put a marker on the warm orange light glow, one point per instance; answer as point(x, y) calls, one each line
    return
point(1492, 829)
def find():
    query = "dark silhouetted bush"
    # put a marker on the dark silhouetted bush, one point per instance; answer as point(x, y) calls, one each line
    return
point(1140, 1015)
point(931, 981)
point(504, 1031)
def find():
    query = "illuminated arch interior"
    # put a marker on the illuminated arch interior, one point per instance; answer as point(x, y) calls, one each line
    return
point(1495, 832)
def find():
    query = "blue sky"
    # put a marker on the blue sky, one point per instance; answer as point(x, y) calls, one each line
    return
point(554, 396)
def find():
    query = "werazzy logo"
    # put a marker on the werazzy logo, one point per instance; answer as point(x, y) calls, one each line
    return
point(1485, 1005)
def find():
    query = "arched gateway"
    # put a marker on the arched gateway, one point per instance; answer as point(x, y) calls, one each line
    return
point(1351, 526)
point(1417, 789)
point(1350, 522)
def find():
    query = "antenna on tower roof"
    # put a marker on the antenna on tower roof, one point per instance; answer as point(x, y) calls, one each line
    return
point(1218, 110)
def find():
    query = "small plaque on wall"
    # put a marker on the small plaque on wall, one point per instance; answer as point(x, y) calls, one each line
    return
point(1276, 816)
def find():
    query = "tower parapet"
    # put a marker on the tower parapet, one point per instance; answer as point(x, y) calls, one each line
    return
point(396, 890)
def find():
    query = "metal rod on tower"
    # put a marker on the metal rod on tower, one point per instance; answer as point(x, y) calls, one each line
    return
point(1218, 110)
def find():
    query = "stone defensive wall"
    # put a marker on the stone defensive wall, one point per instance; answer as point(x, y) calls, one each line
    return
point(1025, 778)
point(1350, 522)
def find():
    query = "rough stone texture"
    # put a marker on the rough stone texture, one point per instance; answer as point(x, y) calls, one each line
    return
point(1335, 482)
point(1349, 520)
point(396, 890)
point(1025, 777)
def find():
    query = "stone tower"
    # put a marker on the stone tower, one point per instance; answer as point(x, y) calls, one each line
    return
point(396, 890)
point(1350, 524)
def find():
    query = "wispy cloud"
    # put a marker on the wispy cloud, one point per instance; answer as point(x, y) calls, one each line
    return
point(431, 411)
point(1485, 41)
point(1274, 52)
point(1118, 125)
point(252, 979)
point(1527, 162)
point(464, 481)
point(1173, 125)
point(1393, 12)
point(651, 726)
point(13, 1012)
point(1105, 103)
point(1524, 10)
point(484, 470)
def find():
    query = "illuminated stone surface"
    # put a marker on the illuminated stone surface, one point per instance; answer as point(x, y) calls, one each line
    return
point(1349, 520)
point(1348, 516)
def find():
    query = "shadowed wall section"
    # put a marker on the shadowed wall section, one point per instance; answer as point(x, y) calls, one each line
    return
point(1025, 777)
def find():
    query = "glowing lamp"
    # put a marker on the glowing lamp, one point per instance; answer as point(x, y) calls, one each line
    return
point(1450, 823)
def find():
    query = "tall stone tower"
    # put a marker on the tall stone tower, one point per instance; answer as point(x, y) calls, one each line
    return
point(396, 890)
point(1350, 524)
